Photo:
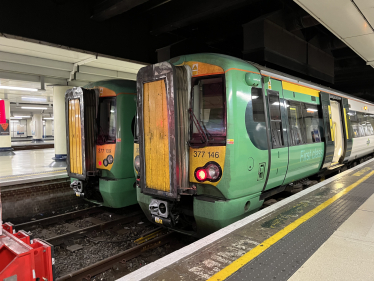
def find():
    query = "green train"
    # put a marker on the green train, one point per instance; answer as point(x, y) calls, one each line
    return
point(217, 135)
point(99, 133)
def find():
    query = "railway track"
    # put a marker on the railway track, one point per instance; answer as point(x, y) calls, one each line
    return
point(90, 271)
point(58, 218)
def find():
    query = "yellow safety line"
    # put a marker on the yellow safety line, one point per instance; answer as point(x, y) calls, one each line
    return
point(27, 175)
point(246, 258)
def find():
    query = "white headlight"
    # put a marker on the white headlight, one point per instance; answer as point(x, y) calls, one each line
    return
point(137, 163)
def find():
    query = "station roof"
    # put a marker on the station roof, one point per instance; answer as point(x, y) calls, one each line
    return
point(132, 31)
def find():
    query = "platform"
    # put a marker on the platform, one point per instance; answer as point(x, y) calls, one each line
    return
point(325, 232)
point(29, 166)
point(28, 145)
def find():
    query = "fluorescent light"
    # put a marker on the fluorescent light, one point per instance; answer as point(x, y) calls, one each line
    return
point(29, 107)
point(33, 99)
point(112, 111)
point(254, 97)
point(48, 118)
point(311, 109)
point(21, 117)
point(15, 118)
point(19, 88)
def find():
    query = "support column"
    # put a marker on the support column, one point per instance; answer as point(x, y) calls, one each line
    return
point(37, 120)
point(5, 138)
point(48, 128)
point(59, 126)
point(28, 127)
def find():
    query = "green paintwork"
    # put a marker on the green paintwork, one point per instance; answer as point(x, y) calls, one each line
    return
point(304, 160)
point(279, 156)
point(211, 216)
point(240, 184)
point(119, 192)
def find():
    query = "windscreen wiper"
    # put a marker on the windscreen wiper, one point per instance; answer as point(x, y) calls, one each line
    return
point(202, 134)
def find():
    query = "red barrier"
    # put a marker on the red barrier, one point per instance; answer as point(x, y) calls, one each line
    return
point(24, 258)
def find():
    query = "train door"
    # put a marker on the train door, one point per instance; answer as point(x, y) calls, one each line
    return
point(278, 133)
point(337, 131)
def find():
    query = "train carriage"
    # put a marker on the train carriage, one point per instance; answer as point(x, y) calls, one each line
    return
point(218, 135)
point(100, 121)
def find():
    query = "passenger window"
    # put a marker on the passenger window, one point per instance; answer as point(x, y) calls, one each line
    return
point(355, 132)
point(275, 119)
point(370, 123)
point(362, 124)
point(311, 121)
point(296, 123)
point(257, 105)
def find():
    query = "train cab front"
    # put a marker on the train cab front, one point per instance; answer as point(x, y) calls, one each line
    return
point(181, 140)
point(98, 139)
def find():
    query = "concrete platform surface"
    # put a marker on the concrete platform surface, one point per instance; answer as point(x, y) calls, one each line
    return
point(348, 254)
point(28, 165)
point(273, 243)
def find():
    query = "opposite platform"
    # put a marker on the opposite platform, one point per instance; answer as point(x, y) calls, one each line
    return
point(29, 166)
point(275, 242)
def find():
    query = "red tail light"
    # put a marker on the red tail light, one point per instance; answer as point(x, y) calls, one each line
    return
point(210, 172)
point(201, 175)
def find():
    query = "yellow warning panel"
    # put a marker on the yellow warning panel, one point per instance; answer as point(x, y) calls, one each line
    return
point(299, 89)
point(156, 136)
point(75, 137)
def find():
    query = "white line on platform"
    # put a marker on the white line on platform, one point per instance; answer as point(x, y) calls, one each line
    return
point(180, 254)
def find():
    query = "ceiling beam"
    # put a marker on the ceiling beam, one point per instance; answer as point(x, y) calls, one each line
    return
point(108, 9)
point(35, 61)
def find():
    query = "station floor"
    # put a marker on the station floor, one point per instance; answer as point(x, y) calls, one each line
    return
point(25, 143)
point(325, 232)
point(28, 165)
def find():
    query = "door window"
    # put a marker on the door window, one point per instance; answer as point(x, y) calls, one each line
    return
point(275, 119)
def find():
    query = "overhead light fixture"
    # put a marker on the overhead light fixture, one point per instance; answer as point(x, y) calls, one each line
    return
point(18, 88)
point(15, 118)
point(311, 109)
point(34, 99)
point(29, 107)
point(48, 118)
point(13, 121)
point(19, 116)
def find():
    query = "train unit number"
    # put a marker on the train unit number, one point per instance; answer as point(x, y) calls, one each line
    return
point(209, 154)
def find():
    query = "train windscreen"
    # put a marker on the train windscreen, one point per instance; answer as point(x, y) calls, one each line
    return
point(107, 121)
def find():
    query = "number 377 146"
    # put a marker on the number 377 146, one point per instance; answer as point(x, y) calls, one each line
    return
point(206, 154)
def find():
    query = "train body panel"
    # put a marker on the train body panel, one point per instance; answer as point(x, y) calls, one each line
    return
point(250, 132)
point(109, 180)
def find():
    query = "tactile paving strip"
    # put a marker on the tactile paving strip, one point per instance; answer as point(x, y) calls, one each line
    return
point(285, 257)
